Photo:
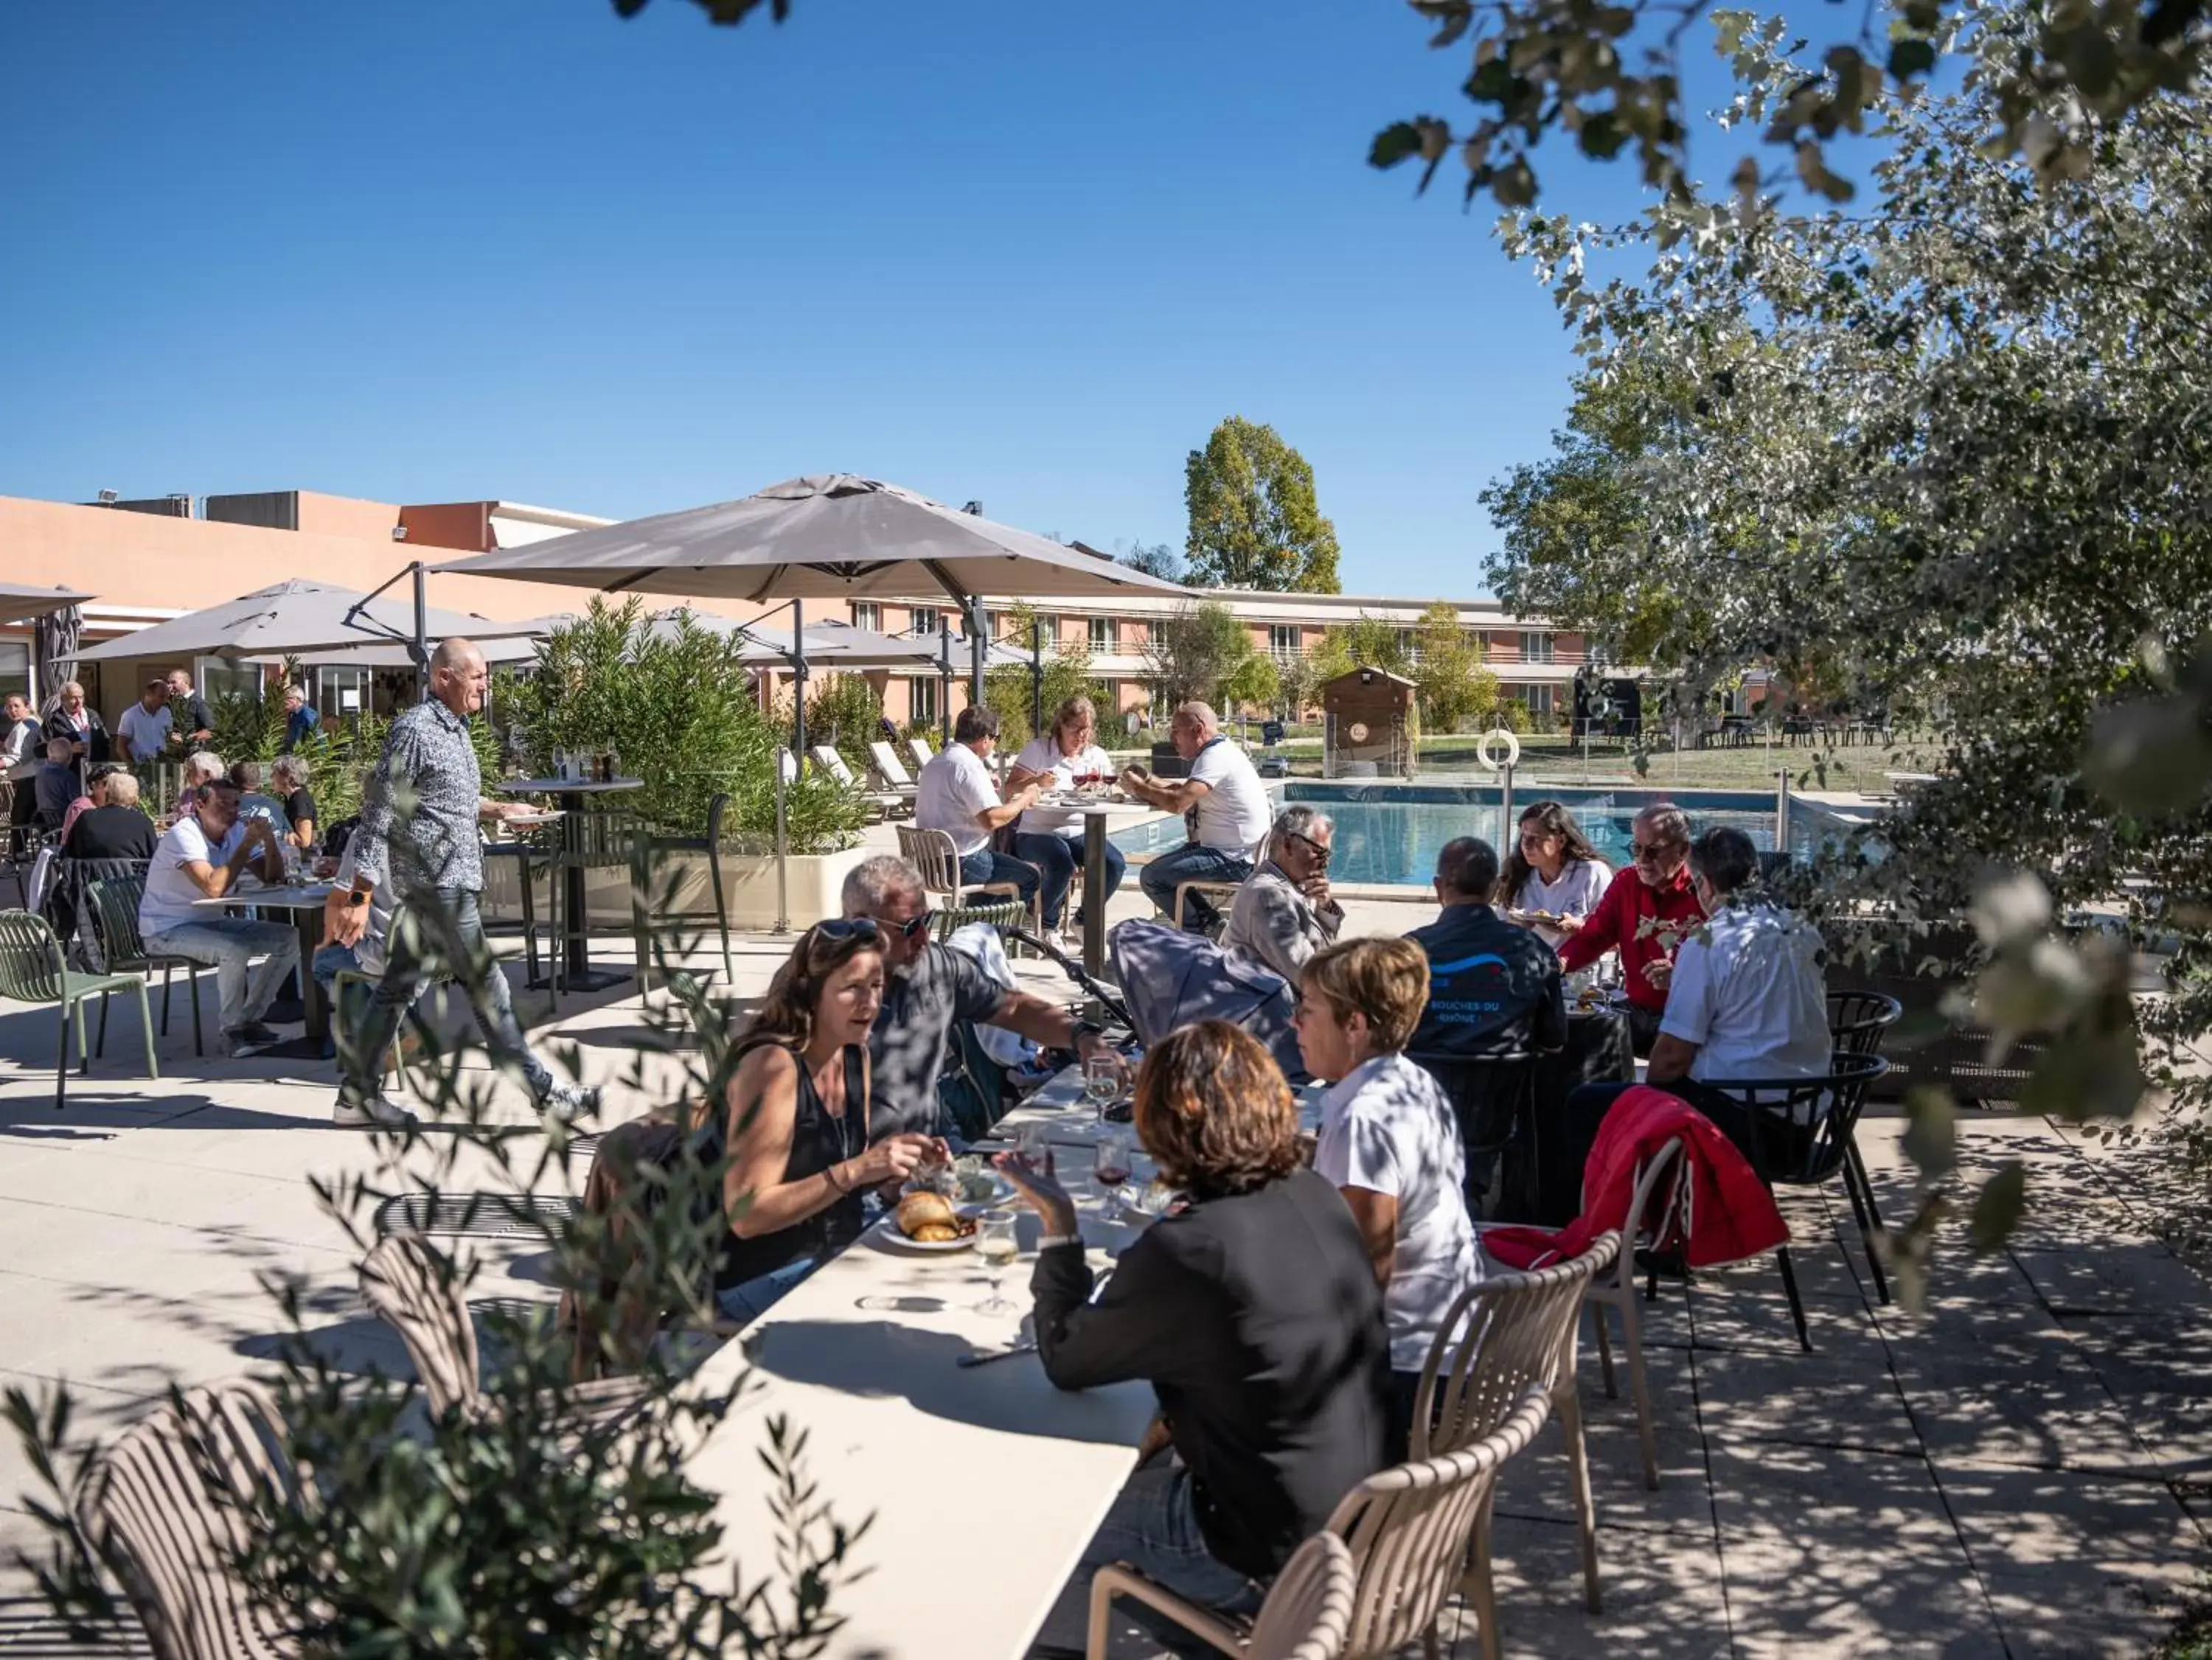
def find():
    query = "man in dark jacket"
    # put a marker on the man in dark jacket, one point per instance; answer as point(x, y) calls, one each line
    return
point(1493, 988)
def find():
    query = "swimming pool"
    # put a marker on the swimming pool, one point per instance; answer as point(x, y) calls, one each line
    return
point(1392, 832)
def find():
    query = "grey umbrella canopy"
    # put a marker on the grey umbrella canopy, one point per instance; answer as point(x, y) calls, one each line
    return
point(294, 618)
point(828, 536)
point(18, 602)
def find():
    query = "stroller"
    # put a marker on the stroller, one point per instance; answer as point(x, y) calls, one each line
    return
point(1171, 979)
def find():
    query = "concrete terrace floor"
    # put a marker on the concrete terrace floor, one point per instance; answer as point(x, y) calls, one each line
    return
point(2025, 1471)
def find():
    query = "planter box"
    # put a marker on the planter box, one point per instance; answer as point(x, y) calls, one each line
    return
point(748, 885)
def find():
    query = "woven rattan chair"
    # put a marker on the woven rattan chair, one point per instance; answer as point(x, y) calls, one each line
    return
point(1305, 1617)
point(113, 901)
point(1407, 1529)
point(1655, 1219)
point(1505, 1334)
point(167, 1509)
point(422, 1296)
point(31, 971)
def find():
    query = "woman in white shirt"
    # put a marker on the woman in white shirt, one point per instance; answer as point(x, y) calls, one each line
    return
point(1389, 1142)
point(1051, 838)
point(1553, 877)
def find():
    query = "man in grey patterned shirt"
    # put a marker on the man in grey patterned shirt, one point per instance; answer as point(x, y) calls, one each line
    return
point(418, 841)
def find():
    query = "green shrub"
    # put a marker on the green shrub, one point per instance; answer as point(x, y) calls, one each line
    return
point(1512, 715)
point(847, 713)
point(677, 707)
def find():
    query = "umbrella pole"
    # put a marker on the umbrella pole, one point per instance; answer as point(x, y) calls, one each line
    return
point(798, 679)
point(421, 645)
point(977, 645)
point(945, 701)
point(1037, 676)
point(782, 880)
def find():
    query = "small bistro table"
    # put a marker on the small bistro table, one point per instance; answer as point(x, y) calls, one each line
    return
point(304, 903)
point(576, 932)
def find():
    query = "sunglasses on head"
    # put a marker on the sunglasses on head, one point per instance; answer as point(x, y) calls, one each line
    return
point(846, 927)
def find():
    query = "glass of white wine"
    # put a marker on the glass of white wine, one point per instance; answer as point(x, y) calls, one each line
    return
point(996, 1244)
point(1102, 1080)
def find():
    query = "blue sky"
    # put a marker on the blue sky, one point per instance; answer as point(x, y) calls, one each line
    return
point(423, 250)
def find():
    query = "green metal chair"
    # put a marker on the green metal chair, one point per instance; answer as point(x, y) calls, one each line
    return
point(114, 901)
point(649, 850)
point(31, 971)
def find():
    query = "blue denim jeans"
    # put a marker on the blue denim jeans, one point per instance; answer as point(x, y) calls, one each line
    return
point(1058, 858)
point(746, 1303)
point(229, 944)
point(1153, 1527)
point(1192, 864)
point(989, 866)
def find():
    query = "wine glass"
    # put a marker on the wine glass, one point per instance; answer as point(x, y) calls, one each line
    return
point(1102, 1080)
point(1036, 1149)
point(996, 1244)
point(1111, 1168)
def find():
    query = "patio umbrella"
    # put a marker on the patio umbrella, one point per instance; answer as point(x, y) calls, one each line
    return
point(18, 602)
point(831, 536)
point(294, 618)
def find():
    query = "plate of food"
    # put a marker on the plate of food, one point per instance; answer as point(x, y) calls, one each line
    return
point(976, 1184)
point(929, 1221)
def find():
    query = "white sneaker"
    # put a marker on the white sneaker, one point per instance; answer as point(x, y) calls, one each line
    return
point(569, 1101)
point(380, 1112)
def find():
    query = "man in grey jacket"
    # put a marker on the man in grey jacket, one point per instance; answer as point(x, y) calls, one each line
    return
point(1283, 913)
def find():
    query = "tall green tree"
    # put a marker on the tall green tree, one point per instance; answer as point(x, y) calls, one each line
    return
point(1194, 651)
point(1254, 522)
point(1365, 642)
point(1455, 689)
point(1007, 687)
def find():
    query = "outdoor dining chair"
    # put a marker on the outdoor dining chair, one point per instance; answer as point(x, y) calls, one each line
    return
point(1858, 1023)
point(1494, 1101)
point(1306, 1616)
point(931, 852)
point(421, 1294)
point(1799, 1132)
point(115, 905)
point(1503, 1336)
point(31, 970)
point(166, 1510)
point(1407, 1529)
point(650, 880)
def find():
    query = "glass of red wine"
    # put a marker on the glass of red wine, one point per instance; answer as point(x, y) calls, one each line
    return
point(1112, 1168)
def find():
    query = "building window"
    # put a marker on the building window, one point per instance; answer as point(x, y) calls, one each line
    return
point(1536, 647)
point(921, 697)
point(866, 614)
point(341, 691)
point(1540, 698)
point(1102, 636)
point(1409, 644)
point(926, 620)
point(1285, 641)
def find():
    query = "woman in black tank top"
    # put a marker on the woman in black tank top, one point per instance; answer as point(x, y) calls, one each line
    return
point(795, 1111)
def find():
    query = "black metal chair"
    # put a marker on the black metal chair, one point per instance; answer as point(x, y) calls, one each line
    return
point(1797, 1133)
point(1859, 1022)
point(1493, 1099)
point(647, 880)
point(114, 903)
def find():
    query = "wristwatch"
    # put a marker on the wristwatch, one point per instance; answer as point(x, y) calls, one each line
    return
point(357, 898)
point(1082, 1029)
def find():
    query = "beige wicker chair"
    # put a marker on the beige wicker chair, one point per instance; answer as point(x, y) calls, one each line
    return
point(173, 1538)
point(1654, 1214)
point(1504, 1336)
point(930, 852)
point(1407, 1529)
point(1305, 1617)
point(419, 1294)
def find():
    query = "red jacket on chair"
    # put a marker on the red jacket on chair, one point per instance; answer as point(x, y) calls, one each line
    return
point(1729, 1216)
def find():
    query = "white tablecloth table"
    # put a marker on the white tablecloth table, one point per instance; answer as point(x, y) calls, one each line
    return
point(985, 1482)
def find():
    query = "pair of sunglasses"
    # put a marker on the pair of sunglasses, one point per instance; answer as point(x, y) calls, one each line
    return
point(1637, 851)
point(844, 928)
point(1320, 853)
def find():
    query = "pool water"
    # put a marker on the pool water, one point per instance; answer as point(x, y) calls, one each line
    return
point(1392, 833)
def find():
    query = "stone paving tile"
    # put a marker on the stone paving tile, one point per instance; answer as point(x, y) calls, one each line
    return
point(2008, 1385)
point(1661, 1594)
point(2023, 1522)
point(2158, 1370)
point(1535, 1486)
point(2100, 1610)
point(1842, 1395)
point(1847, 1554)
point(2138, 1277)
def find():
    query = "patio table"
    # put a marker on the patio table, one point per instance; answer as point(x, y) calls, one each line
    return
point(1096, 819)
point(576, 932)
point(985, 1482)
point(304, 903)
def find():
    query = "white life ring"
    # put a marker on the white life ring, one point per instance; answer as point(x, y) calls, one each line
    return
point(1512, 748)
point(1357, 733)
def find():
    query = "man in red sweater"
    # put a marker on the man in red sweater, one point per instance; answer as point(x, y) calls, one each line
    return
point(1645, 913)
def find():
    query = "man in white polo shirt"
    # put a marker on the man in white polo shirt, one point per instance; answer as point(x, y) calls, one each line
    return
point(1228, 805)
point(203, 858)
point(144, 728)
point(955, 794)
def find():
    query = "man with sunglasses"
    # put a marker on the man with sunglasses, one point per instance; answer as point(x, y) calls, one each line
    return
point(1283, 913)
point(927, 987)
point(1647, 911)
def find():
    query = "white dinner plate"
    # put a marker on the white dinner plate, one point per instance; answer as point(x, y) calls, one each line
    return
point(895, 1238)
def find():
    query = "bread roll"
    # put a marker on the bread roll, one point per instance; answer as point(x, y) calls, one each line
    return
point(925, 1209)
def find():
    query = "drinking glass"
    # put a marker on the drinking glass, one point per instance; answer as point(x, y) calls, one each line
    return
point(1101, 1080)
point(996, 1244)
point(1111, 1168)
point(1034, 1147)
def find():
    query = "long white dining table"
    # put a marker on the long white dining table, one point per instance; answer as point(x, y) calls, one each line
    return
point(985, 1482)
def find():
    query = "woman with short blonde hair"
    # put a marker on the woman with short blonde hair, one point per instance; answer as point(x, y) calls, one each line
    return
point(1049, 838)
point(1250, 1311)
point(1390, 1142)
